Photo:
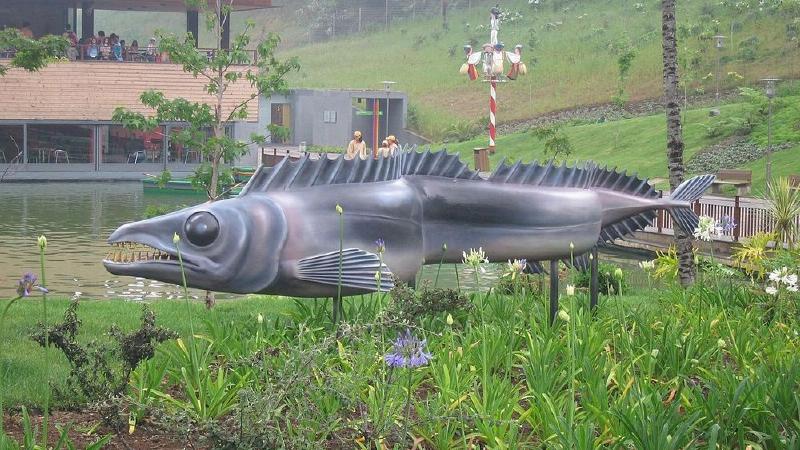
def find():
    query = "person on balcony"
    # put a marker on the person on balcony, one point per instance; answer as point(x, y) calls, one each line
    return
point(152, 50)
point(133, 51)
point(72, 38)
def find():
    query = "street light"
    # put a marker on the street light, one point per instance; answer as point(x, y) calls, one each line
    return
point(387, 86)
point(769, 90)
point(719, 43)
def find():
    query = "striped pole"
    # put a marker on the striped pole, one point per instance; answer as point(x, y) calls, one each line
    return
point(492, 112)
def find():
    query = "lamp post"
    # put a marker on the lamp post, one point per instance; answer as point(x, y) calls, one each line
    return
point(719, 43)
point(387, 86)
point(769, 90)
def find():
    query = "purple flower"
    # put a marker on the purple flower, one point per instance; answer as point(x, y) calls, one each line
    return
point(380, 246)
point(407, 351)
point(727, 224)
point(27, 283)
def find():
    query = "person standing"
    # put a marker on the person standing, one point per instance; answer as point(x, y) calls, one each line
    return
point(393, 145)
point(356, 147)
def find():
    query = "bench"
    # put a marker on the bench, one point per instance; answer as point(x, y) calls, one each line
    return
point(740, 179)
point(794, 181)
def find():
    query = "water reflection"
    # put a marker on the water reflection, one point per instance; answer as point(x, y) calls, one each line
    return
point(76, 218)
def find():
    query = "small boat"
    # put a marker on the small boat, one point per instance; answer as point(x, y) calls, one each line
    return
point(182, 186)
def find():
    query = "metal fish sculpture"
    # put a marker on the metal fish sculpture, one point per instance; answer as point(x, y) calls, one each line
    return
point(281, 235)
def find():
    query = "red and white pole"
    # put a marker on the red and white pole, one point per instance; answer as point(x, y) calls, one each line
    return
point(492, 112)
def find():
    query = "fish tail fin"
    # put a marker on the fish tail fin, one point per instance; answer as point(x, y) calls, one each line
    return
point(682, 198)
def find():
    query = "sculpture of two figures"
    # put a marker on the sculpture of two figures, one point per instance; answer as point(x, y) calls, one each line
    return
point(493, 55)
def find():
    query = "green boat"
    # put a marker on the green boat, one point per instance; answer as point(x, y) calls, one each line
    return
point(180, 186)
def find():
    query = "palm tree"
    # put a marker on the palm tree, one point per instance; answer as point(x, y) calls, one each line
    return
point(683, 241)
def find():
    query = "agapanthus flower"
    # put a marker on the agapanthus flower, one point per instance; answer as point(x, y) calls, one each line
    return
point(726, 224)
point(705, 228)
point(27, 284)
point(475, 258)
point(647, 265)
point(408, 351)
point(781, 277)
point(515, 267)
point(380, 246)
point(771, 290)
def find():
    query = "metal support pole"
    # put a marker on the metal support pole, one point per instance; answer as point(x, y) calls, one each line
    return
point(593, 284)
point(553, 290)
point(737, 218)
point(769, 144)
point(25, 143)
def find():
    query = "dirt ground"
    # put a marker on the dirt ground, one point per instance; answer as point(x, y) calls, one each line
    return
point(86, 428)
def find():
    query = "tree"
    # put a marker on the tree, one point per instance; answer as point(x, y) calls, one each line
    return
point(672, 105)
point(30, 54)
point(221, 68)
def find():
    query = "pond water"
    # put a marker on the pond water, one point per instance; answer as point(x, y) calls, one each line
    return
point(78, 217)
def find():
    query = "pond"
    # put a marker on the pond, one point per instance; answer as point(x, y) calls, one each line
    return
point(77, 218)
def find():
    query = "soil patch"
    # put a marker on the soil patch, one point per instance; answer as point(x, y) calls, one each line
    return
point(87, 427)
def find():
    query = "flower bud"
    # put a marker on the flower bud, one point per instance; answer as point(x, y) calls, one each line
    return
point(42, 242)
point(570, 289)
point(444, 247)
point(563, 315)
point(449, 319)
point(571, 246)
point(618, 273)
point(176, 238)
point(721, 343)
point(260, 318)
point(654, 353)
point(339, 209)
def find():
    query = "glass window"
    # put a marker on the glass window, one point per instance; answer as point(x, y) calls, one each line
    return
point(11, 141)
point(61, 144)
point(120, 145)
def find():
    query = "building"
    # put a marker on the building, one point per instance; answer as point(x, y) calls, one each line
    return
point(327, 118)
point(56, 123)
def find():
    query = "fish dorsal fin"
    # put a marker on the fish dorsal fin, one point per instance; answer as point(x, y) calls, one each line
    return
point(587, 175)
point(291, 174)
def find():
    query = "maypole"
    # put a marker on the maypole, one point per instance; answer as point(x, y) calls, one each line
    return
point(492, 57)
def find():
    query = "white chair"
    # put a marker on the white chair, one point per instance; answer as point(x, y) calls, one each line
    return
point(136, 155)
point(191, 152)
point(60, 153)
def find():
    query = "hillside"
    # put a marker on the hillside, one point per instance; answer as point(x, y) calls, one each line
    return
point(576, 45)
point(639, 143)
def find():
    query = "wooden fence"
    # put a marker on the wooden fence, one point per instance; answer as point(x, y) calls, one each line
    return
point(749, 214)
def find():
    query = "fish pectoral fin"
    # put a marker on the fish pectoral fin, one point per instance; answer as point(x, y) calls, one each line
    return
point(358, 270)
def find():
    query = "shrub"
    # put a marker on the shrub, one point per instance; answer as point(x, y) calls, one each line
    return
point(610, 278)
point(407, 305)
point(99, 371)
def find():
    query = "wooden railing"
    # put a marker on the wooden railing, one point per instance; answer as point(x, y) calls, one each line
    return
point(749, 214)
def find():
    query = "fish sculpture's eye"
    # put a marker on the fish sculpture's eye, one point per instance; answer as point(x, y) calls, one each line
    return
point(201, 228)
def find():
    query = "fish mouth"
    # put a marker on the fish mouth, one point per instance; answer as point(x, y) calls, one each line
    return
point(127, 254)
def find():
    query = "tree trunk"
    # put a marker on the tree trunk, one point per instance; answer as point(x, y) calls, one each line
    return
point(683, 241)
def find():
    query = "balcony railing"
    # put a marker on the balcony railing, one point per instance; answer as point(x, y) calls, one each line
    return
point(94, 52)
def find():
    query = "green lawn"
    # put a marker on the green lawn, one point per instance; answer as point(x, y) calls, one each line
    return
point(637, 144)
point(23, 361)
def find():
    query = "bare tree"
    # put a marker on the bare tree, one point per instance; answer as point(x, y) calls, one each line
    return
point(672, 106)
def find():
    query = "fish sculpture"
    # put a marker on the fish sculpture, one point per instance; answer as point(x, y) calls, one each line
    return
point(303, 228)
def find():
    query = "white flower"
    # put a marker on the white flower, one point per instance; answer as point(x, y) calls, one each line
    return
point(771, 290)
point(647, 265)
point(789, 279)
point(775, 275)
point(570, 289)
point(260, 318)
point(175, 238)
point(705, 227)
point(475, 258)
point(791, 288)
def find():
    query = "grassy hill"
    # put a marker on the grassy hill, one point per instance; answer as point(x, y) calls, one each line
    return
point(639, 143)
point(575, 48)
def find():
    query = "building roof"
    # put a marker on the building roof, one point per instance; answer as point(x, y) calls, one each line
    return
point(90, 91)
